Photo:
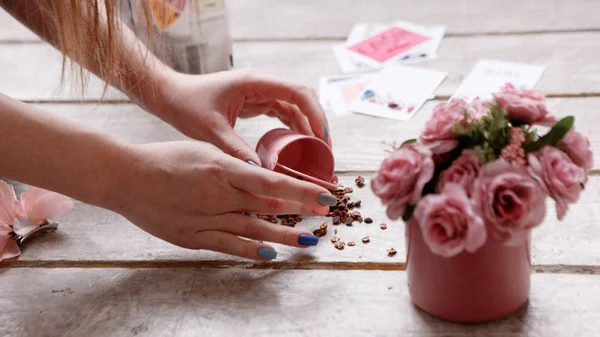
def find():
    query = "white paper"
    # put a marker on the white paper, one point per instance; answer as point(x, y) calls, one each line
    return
point(398, 92)
point(325, 83)
point(490, 76)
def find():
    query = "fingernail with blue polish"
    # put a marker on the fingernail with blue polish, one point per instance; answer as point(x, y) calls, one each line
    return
point(308, 240)
point(267, 253)
point(327, 199)
point(251, 163)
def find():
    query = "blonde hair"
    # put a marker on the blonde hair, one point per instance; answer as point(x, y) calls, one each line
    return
point(81, 36)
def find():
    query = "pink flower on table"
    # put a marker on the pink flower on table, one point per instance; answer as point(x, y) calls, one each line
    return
point(463, 171)
point(8, 211)
point(476, 109)
point(22, 217)
point(577, 147)
point(38, 205)
point(509, 200)
point(401, 178)
point(562, 179)
point(438, 134)
point(525, 106)
point(449, 223)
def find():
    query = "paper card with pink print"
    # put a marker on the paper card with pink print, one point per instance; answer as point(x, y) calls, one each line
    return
point(397, 92)
point(489, 76)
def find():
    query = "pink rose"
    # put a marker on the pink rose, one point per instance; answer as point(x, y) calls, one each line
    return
point(525, 106)
point(476, 109)
point(449, 223)
point(463, 171)
point(510, 201)
point(577, 147)
point(438, 134)
point(562, 179)
point(401, 177)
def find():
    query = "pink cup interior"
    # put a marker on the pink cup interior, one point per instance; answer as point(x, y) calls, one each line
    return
point(309, 159)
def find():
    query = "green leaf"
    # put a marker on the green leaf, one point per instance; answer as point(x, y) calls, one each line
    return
point(408, 212)
point(409, 141)
point(555, 135)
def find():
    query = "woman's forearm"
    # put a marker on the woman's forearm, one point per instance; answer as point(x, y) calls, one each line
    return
point(43, 150)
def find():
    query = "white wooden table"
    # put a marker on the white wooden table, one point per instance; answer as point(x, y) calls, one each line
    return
point(101, 276)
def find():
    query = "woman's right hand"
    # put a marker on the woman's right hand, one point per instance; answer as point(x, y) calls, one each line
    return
point(194, 196)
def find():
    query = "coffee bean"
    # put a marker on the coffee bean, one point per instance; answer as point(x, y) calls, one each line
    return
point(369, 220)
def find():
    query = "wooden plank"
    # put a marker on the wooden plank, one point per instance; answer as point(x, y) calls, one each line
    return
point(306, 61)
point(187, 302)
point(112, 235)
point(31, 71)
point(318, 19)
point(355, 148)
point(89, 234)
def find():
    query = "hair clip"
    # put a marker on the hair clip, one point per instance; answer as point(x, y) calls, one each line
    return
point(23, 218)
point(45, 227)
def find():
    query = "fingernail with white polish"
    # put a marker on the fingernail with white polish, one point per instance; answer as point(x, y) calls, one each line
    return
point(327, 199)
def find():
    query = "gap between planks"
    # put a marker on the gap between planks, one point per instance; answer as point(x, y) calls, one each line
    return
point(284, 265)
point(337, 38)
point(127, 101)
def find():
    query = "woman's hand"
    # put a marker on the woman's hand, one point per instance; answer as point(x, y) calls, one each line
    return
point(195, 196)
point(206, 107)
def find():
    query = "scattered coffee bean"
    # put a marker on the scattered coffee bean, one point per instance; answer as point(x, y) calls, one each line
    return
point(357, 203)
point(349, 221)
point(348, 190)
point(383, 226)
point(360, 181)
point(336, 220)
point(335, 238)
point(341, 207)
point(366, 239)
point(322, 231)
point(368, 220)
point(351, 243)
point(339, 245)
point(350, 205)
point(391, 252)
point(335, 231)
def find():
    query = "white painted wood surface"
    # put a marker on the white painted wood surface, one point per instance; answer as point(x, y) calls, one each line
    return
point(318, 19)
point(188, 302)
point(293, 38)
point(31, 71)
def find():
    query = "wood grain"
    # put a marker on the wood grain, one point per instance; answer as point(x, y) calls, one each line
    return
point(359, 141)
point(91, 235)
point(318, 19)
point(167, 302)
point(31, 71)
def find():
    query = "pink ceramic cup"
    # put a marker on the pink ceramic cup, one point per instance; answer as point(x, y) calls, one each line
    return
point(299, 156)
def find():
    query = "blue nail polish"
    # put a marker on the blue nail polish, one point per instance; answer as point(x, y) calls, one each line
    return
point(308, 240)
point(267, 253)
point(251, 163)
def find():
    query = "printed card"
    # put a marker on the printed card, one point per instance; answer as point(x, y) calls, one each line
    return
point(398, 92)
point(490, 76)
point(388, 44)
point(343, 93)
point(327, 82)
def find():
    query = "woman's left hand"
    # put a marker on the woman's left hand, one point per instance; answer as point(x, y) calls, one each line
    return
point(206, 107)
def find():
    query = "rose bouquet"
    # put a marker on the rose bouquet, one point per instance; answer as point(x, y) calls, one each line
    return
point(482, 171)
